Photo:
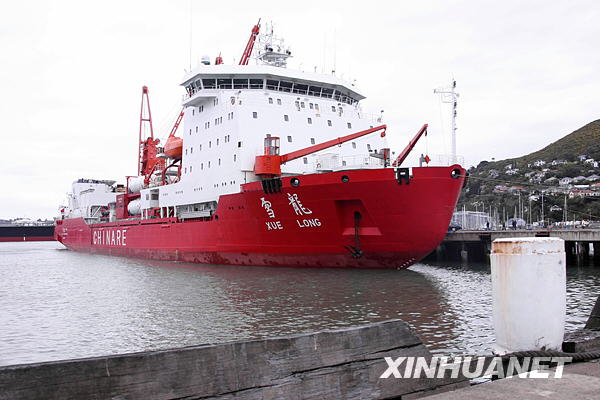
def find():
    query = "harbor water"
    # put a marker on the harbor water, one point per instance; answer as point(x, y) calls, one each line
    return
point(59, 304)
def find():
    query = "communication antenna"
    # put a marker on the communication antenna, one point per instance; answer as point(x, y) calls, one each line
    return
point(191, 35)
point(449, 95)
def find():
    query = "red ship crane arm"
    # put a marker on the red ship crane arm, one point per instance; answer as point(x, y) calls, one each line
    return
point(269, 164)
point(177, 122)
point(250, 45)
point(142, 160)
point(410, 146)
point(330, 143)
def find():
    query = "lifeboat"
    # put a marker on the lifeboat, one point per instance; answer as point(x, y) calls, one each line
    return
point(174, 147)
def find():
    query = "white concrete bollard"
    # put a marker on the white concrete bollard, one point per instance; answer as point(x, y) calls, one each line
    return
point(528, 293)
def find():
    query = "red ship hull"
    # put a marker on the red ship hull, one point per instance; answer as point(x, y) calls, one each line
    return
point(349, 219)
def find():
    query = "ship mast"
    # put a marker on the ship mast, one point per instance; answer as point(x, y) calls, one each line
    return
point(449, 95)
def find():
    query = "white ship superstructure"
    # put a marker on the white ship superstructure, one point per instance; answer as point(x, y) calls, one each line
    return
point(230, 109)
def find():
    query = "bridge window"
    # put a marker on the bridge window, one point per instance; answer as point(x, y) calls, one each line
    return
point(191, 150)
point(305, 159)
point(314, 90)
point(353, 145)
point(329, 122)
point(311, 105)
point(254, 114)
point(240, 83)
point(289, 139)
point(309, 120)
point(224, 83)
point(270, 100)
point(285, 86)
point(272, 85)
point(278, 102)
point(312, 140)
point(349, 125)
point(286, 118)
point(300, 88)
point(327, 93)
point(256, 83)
point(209, 83)
point(333, 108)
point(302, 104)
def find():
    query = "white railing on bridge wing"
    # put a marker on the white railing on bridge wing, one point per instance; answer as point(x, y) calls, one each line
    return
point(335, 162)
point(444, 160)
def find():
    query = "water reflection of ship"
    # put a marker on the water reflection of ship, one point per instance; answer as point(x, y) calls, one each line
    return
point(279, 301)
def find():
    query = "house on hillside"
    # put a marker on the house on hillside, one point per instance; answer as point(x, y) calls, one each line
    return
point(551, 181)
point(579, 178)
point(558, 162)
point(589, 161)
point(500, 189)
point(512, 171)
point(493, 173)
point(583, 193)
point(565, 181)
point(509, 166)
point(582, 157)
point(593, 178)
point(539, 163)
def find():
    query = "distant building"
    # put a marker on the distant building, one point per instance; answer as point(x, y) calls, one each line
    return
point(473, 220)
point(565, 181)
point(593, 178)
point(558, 162)
point(582, 157)
point(509, 166)
point(539, 163)
point(551, 180)
point(583, 193)
point(512, 171)
point(579, 178)
point(493, 173)
point(500, 189)
point(589, 161)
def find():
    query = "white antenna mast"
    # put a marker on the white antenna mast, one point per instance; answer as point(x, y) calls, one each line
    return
point(190, 35)
point(449, 95)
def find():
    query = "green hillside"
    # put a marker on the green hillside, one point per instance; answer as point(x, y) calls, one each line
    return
point(585, 140)
point(504, 186)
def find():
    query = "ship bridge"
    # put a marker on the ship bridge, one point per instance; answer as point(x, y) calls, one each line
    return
point(206, 81)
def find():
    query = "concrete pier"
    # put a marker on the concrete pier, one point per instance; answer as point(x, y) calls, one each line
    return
point(469, 246)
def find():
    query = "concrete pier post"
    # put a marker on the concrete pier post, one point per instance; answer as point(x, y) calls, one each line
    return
point(597, 252)
point(464, 254)
point(528, 293)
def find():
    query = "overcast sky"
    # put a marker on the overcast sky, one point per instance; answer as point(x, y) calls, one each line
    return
point(71, 73)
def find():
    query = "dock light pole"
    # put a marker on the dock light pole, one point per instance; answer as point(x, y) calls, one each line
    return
point(449, 95)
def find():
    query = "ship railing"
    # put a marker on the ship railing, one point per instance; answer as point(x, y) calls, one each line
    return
point(444, 160)
point(347, 162)
point(305, 92)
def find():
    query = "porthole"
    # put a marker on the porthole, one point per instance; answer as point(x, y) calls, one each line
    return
point(345, 179)
point(295, 182)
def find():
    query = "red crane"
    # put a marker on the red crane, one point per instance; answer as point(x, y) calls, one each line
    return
point(410, 146)
point(147, 160)
point(250, 45)
point(269, 164)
